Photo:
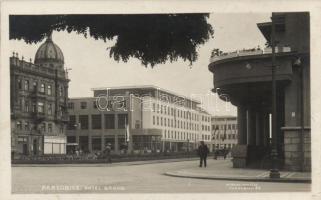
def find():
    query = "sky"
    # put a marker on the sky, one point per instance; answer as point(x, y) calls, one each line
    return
point(91, 67)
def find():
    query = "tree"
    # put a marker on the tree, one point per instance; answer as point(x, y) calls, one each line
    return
point(151, 38)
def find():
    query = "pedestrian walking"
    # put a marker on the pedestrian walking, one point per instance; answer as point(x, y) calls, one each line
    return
point(202, 152)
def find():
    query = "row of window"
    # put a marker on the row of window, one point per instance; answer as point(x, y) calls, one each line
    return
point(160, 121)
point(38, 107)
point(225, 136)
point(25, 85)
point(225, 127)
point(96, 121)
point(84, 105)
point(43, 126)
point(162, 109)
point(177, 135)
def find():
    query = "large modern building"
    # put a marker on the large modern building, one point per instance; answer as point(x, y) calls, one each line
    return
point(140, 118)
point(245, 76)
point(39, 94)
point(224, 132)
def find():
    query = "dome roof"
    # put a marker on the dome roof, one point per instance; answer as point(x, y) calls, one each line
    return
point(49, 51)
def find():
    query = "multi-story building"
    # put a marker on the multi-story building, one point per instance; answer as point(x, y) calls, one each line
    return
point(224, 132)
point(147, 117)
point(39, 94)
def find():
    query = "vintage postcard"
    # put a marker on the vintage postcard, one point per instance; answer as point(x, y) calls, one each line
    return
point(164, 99)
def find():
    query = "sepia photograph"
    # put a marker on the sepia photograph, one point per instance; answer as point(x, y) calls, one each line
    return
point(158, 102)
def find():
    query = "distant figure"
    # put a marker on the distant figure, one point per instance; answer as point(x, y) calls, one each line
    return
point(202, 152)
point(107, 152)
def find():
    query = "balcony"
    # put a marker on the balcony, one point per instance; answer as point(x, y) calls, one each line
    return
point(218, 55)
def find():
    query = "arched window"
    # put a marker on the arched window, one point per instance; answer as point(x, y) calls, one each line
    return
point(49, 90)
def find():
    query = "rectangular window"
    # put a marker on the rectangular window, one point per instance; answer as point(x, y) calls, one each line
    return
point(96, 143)
point(35, 85)
point(157, 120)
point(71, 105)
point(27, 108)
point(154, 107)
point(83, 105)
point(122, 120)
point(50, 128)
point(27, 126)
point(72, 122)
point(96, 121)
point(34, 107)
point(60, 91)
point(49, 90)
point(40, 107)
point(153, 120)
point(43, 127)
point(26, 85)
point(42, 88)
point(137, 124)
point(19, 84)
point(50, 109)
point(109, 121)
point(83, 120)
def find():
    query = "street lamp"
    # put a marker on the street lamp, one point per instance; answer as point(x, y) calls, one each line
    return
point(274, 172)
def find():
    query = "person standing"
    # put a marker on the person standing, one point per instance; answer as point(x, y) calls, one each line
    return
point(107, 152)
point(202, 152)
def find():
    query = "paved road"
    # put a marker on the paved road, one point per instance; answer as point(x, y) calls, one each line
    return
point(131, 178)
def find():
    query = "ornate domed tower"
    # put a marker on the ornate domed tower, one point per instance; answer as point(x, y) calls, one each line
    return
point(50, 56)
point(39, 98)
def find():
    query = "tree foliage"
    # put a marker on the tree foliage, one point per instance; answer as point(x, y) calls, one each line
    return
point(152, 38)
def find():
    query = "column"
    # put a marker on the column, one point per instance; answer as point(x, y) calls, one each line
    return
point(251, 128)
point(266, 129)
point(116, 144)
point(102, 142)
point(241, 125)
point(90, 143)
point(77, 139)
point(259, 129)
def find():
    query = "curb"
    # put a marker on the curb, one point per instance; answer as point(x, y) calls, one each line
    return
point(142, 162)
point(230, 178)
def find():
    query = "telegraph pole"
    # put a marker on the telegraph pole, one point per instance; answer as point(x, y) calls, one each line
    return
point(274, 172)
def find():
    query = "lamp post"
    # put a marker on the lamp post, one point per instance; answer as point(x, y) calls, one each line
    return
point(274, 172)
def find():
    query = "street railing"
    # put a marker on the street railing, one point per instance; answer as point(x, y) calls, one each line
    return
point(246, 52)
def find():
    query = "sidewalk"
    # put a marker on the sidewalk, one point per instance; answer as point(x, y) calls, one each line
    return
point(222, 170)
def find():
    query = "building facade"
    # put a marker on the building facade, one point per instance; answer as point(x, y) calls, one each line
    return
point(39, 94)
point(245, 76)
point(141, 118)
point(224, 132)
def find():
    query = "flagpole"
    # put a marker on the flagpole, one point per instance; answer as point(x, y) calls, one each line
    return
point(125, 130)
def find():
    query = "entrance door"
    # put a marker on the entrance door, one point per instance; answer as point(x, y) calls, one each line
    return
point(35, 147)
point(24, 149)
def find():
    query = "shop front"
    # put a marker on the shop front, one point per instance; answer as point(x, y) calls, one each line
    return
point(55, 144)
